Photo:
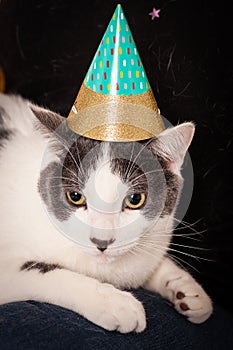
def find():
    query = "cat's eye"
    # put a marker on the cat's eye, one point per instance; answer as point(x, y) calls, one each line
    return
point(135, 200)
point(76, 198)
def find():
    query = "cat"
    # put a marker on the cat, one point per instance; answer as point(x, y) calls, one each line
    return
point(84, 220)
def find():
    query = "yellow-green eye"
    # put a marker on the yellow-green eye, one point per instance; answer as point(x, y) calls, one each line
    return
point(135, 200)
point(75, 198)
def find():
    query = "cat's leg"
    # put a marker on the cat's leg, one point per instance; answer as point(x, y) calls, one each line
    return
point(182, 290)
point(100, 303)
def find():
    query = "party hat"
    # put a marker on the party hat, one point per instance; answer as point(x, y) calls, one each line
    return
point(115, 101)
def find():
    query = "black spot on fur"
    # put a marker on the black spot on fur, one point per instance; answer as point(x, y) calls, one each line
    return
point(41, 266)
point(2, 112)
point(4, 132)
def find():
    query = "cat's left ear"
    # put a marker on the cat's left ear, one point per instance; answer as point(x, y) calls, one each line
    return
point(49, 120)
point(172, 144)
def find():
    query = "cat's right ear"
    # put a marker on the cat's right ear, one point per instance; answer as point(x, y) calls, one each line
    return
point(49, 120)
point(172, 144)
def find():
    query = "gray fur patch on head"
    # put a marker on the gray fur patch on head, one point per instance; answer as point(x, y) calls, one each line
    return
point(50, 188)
point(134, 162)
point(144, 171)
point(174, 186)
point(70, 174)
point(80, 161)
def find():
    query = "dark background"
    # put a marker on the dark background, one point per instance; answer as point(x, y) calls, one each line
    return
point(47, 46)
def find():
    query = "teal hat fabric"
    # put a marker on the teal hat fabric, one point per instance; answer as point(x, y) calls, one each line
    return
point(116, 68)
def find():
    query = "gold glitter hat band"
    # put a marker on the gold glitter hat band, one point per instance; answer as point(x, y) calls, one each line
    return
point(115, 118)
point(120, 121)
point(87, 98)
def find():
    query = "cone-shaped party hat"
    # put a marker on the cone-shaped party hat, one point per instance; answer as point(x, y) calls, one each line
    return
point(115, 101)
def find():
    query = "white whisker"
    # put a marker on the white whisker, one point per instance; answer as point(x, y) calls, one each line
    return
point(172, 257)
point(81, 166)
point(138, 154)
point(61, 178)
point(177, 260)
point(146, 173)
point(130, 160)
point(67, 147)
point(166, 246)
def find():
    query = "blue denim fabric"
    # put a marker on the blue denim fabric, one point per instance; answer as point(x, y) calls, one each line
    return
point(33, 325)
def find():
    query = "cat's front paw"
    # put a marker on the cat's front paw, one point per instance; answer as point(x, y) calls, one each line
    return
point(190, 299)
point(119, 310)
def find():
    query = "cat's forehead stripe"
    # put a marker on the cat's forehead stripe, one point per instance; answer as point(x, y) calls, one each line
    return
point(106, 183)
point(104, 189)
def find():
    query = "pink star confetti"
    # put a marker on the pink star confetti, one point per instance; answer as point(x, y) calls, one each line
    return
point(154, 13)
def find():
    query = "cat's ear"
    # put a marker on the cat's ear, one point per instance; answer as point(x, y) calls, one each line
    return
point(172, 144)
point(49, 120)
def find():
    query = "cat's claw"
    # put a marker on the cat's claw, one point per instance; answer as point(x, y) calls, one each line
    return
point(119, 310)
point(190, 300)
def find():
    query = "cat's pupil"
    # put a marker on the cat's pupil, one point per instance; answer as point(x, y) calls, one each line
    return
point(135, 198)
point(75, 196)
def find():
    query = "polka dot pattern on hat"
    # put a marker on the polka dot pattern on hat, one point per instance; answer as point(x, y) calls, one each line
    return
point(117, 68)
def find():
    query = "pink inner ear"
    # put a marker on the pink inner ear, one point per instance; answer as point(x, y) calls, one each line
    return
point(184, 138)
point(173, 167)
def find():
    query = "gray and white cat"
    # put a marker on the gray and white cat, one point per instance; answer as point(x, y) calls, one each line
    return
point(82, 220)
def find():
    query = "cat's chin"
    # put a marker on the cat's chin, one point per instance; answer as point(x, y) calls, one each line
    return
point(104, 258)
point(107, 257)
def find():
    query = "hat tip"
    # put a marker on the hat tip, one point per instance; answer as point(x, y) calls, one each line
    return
point(119, 7)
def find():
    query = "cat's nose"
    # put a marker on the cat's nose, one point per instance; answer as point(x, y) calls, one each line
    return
point(102, 245)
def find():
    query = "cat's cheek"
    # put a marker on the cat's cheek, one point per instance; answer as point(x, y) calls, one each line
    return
point(134, 223)
point(128, 217)
point(77, 227)
point(82, 215)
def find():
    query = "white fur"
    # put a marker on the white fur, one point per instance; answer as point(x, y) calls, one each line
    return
point(89, 281)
